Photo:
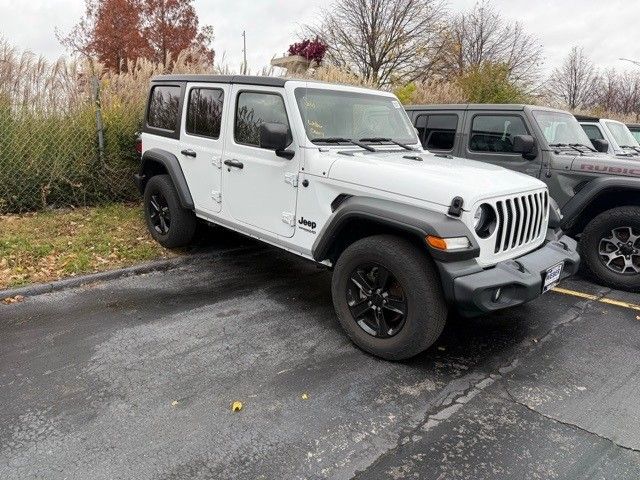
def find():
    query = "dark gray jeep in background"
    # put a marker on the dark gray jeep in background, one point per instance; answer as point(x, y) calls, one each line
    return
point(598, 194)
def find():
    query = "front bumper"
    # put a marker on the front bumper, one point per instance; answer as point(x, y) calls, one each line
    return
point(519, 280)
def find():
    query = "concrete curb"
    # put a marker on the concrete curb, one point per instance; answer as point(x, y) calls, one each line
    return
point(148, 267)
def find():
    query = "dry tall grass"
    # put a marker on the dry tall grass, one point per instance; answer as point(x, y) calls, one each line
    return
point(49, 152)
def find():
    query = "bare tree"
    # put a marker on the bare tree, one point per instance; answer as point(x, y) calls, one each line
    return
point(607, 94)
point(480, 35)
point(576, 82)
point(383, 41)
point(628, 93)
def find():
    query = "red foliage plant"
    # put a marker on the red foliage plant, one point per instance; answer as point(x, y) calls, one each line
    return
point(313, 50)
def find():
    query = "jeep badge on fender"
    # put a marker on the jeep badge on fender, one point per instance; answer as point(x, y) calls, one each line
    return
point(311, 226)
point(379, 202)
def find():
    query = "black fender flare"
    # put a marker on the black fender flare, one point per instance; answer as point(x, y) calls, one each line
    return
point(413, 220)
point(574, 208)
point(172, 166)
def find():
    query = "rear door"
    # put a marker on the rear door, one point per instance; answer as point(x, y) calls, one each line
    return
point(488, 137)
point(206, 107)
point(259, 188)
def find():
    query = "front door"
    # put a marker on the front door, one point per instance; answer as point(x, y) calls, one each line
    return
point(489, 138)
point(258, 186)
point(206, 107)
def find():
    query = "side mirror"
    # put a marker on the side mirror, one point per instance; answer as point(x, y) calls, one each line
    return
point(600, 145)
point(276, 136)
point(526, 145)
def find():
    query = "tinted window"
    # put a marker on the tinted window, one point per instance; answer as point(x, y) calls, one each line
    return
point(164, 107)
point(593, 132)
point(254, 109)
point(437, 132)
point(204, 112)
point(494, 133)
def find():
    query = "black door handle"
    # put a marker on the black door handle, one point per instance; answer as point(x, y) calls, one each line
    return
point(189, 153)
point(234, 163)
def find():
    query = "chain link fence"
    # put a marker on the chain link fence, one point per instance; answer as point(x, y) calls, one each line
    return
point(68, 128)
point(84, 155)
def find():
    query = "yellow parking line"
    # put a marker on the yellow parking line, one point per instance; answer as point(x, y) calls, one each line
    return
point(588, 296)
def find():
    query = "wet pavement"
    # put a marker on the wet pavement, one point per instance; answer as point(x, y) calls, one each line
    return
point(134, 378)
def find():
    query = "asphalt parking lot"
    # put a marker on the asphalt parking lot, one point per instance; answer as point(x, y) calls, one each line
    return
point(134, 378)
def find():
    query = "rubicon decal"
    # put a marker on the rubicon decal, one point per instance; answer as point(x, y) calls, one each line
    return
point(587, 167)
point(307, 225)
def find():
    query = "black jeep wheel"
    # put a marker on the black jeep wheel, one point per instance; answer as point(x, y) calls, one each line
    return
point(610, 248)
point(388, 297)
point(169, 224)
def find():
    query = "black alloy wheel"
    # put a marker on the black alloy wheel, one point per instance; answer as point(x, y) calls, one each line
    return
point(159, 213)
point(376, 300)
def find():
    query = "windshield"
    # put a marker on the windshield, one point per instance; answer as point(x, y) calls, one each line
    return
point(621, 134)
point(561, 128)
point(332, 114)
point(635, 133)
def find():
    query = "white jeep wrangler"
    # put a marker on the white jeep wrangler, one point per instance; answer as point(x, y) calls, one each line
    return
point(336, 174)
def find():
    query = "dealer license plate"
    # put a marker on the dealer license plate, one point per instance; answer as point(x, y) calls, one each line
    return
point(552, 277)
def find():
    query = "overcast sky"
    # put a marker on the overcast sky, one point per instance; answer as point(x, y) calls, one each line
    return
point(607, 29)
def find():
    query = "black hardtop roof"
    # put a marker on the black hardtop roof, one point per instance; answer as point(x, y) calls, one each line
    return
point(507, 107)
point(259, 80)
point(587, 118)
point(633, 125)
point(240, 79)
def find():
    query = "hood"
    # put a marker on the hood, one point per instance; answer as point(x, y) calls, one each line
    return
point(607, 165)
point(436, 178)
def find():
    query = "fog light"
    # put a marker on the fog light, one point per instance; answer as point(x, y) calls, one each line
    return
point(496, 295)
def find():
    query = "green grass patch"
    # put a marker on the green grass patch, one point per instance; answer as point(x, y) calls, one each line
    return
point(45, 246)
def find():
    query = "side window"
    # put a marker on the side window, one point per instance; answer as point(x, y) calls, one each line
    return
point(593, 132)
point(440, 132)
point(204, 112)
point(254, 109)
point(494, 133)
point(164, 107)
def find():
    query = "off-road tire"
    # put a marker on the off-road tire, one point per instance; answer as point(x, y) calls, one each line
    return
point(415, 273)
point(589, 246)
point(181, 229)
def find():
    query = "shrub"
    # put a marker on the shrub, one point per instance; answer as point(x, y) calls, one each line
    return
point(490, 83)
point(313, 50)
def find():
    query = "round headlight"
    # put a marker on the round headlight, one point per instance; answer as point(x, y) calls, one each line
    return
point(477, 217)
point(484, 220)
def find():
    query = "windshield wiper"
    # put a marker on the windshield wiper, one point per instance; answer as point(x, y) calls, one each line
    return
point(572, 146)
point(630, 147)
point(344, 140)
point(577, 145)
point(389, 140)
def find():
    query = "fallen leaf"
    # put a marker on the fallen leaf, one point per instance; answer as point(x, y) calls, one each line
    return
point(12, 300)
point(236, 406)
point(582, 389)
point(174, 403)
point(304, 396)
point(442, 349)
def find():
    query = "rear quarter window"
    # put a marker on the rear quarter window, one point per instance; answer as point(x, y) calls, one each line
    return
point(164, 108)
point(437, 131)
